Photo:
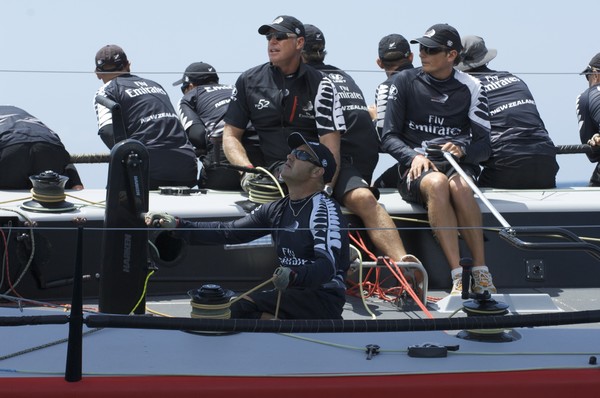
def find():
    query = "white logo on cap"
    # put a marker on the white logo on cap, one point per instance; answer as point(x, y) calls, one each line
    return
point(278, 20)
point(429, 33)
point(324, 163)
point(449, 43)
point(297, 30)
point(392, 45)
point(210, 69)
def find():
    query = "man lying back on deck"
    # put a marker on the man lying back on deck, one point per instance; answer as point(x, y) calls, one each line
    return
point(308, 229)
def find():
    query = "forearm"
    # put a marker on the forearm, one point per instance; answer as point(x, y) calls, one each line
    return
point(233, 148)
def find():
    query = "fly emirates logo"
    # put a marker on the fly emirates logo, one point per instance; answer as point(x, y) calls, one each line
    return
point(435, 126)
point(143, 88)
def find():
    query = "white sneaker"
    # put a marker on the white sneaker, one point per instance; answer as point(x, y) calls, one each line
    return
point(482, 281)
point(456, 285)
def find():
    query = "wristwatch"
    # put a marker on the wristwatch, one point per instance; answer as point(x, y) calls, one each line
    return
point(328, 190)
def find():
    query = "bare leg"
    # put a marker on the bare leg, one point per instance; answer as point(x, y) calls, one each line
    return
point(381, 228)
point(469, 216)
point(443, 219)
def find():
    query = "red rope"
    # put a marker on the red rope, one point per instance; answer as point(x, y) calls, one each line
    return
point(396, 272)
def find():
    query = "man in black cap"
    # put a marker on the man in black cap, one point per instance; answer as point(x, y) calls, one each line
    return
point(308, 229)
point(523, 155)
point(438, 106)
point(201, 111)
point(394, 56)
point(359, 153)
point(588, 115)
point(282, 96)
point(28, 147)
point(149, 118)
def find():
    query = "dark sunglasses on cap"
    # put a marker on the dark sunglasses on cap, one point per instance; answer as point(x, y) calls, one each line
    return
point(433, 50)
point(305, 156)
point(279, 36)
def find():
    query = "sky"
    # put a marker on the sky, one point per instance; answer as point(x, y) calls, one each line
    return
point(48, 47)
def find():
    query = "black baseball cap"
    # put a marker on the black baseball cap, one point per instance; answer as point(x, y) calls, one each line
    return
point(284, 23)
point(319, 151)
point(393, 47)
point(314, 38)
point(440, 35)
point(198, 73)
point(111, 55)
point(594, 64)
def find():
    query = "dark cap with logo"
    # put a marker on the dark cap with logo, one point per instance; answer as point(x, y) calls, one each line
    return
point(594, 64)
point(198, 73)
point(314, 40)
point(440, 35)
point(110, 58)
point(286, 24)
point(319, 151)
point(393, 47)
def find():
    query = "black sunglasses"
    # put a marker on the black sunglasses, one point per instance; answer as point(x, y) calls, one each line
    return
point(433, 50)
point(305, 156)
point(279, 36)
point(184, 86)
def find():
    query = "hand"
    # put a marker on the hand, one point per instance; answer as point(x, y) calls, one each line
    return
point(160, 220)
point(595, 140)
point(419, 165)
point(282, 277)
point(245, 181)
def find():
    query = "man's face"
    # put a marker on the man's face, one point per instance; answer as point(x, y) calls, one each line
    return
point(283, 47)
point(296, 168)
point(593, 77)
point(437, 61)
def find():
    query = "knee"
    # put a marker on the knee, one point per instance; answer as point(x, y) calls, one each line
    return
point(436, 187)
point(360, 200)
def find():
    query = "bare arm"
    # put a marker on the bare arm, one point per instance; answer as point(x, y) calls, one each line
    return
point(232, 146)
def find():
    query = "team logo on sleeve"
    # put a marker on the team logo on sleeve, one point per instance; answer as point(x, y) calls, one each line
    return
point(337, 78)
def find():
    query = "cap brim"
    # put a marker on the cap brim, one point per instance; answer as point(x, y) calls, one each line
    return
point(427, 42)
point(296, 139)
point(264, 29)
point(178, 82)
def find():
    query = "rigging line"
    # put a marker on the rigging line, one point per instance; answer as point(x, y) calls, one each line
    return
point(378, 71)
point(30, 259)
point(42, 346)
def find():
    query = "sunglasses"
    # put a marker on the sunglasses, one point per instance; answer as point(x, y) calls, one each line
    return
point(184, 87)
point(305, 156)
point(432, 50)
point(279, 36)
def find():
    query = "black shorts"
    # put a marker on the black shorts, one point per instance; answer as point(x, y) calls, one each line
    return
point(520, 172)
point(27, 159)
point(410, 191)
point(296, 303)
point(351, 177)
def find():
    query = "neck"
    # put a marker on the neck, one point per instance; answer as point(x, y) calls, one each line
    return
point(290, 67)
point(442, 74)
point(301, 192)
